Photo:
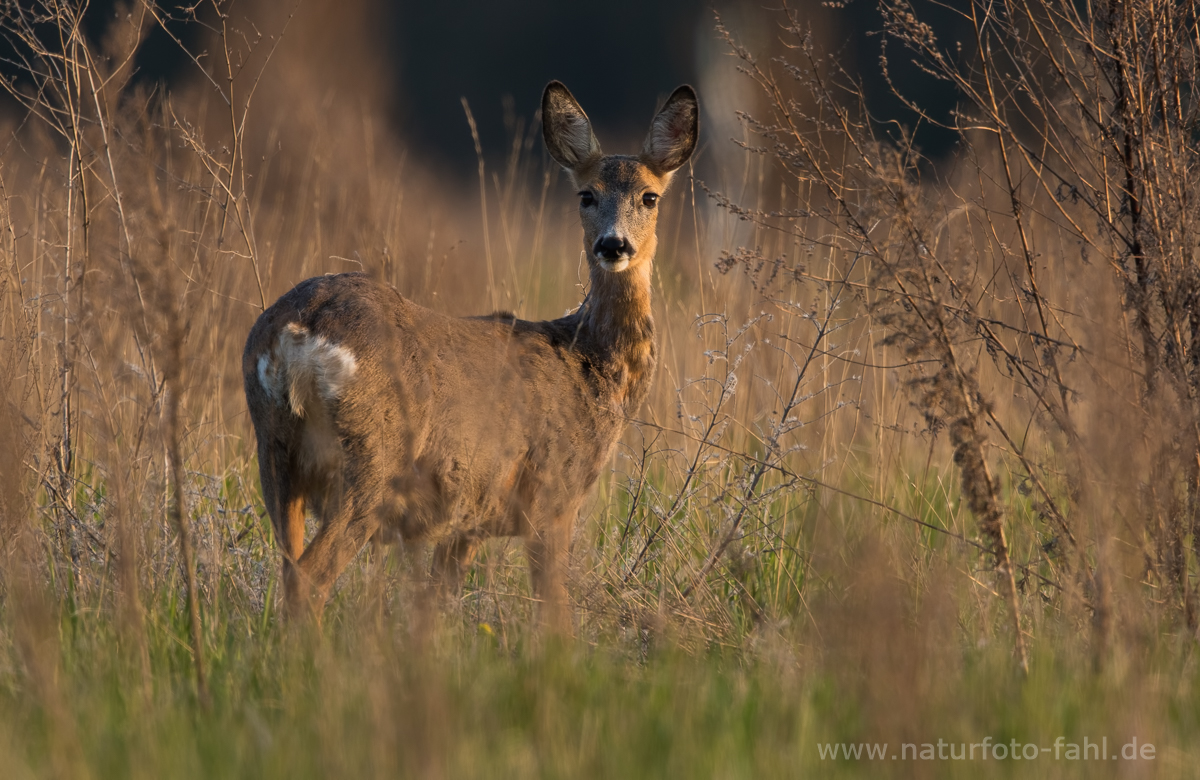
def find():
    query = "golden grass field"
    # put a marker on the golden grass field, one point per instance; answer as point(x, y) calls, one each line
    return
point(862, 355)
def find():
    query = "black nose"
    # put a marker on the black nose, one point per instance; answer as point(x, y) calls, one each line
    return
point(613, 247)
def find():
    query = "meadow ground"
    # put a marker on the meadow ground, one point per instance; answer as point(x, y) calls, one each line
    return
point(918, 477)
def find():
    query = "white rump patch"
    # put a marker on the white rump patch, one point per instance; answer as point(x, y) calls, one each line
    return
point(305, 369)
point(268, 377)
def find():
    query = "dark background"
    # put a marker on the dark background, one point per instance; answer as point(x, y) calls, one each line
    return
point(618, 56)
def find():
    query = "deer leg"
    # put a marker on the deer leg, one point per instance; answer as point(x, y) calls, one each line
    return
point(349, 521)
point(290, 532)
point(285, 504)
point(548, 549)
point(328, 555)
point(381, 542)
point(450, 562)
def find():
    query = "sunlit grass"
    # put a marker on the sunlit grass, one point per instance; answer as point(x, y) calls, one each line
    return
point(368, 699)
point(779, 556)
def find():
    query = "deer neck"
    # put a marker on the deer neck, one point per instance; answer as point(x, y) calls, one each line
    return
point(620, 329)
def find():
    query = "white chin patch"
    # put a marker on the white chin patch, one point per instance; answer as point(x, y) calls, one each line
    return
point(615, 265)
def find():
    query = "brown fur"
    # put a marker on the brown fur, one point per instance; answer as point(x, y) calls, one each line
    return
point(377, 412)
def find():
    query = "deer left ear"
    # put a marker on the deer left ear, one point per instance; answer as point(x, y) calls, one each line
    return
point(673, 133)
point(566, 129)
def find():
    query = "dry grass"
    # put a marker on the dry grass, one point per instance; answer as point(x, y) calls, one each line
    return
point(914, 428)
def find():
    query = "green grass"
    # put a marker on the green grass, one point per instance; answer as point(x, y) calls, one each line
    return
point(364, 699)
point(827, 620)
point(871, 630)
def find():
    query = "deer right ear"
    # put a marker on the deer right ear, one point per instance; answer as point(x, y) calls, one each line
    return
point(673, 133)
point(566, 129)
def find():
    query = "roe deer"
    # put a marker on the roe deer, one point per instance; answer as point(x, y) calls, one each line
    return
point(378, 412)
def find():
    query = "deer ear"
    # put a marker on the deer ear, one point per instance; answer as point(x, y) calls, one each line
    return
point(673, 133)
point(566, 129)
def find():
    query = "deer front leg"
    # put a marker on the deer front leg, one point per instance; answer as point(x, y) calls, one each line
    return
point(548, 549)
point(450, 563)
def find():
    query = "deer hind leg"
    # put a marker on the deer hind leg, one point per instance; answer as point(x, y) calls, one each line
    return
point(349, 519)
point(285, 504)
point(291, 538)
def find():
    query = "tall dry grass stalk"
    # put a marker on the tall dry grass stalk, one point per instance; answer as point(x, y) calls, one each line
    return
point(1039, 285)
point(1033, 295)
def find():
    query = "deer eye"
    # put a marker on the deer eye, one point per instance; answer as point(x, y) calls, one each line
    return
point(649, 199)
point(587, 199)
